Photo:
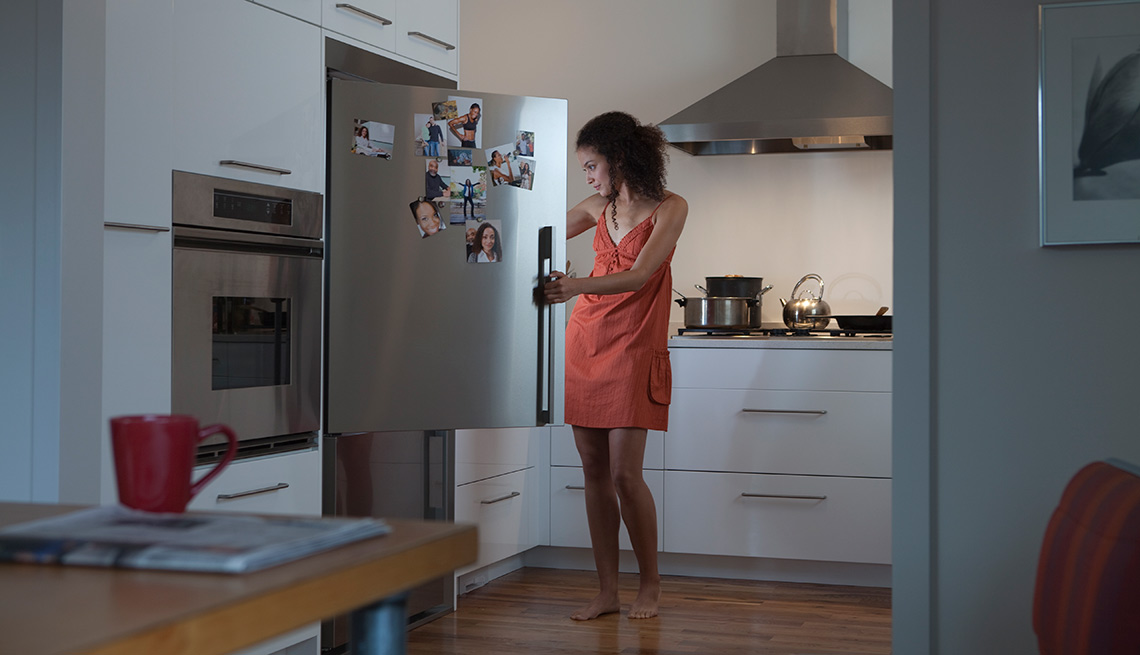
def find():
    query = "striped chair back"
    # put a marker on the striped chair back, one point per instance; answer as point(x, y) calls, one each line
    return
point(1087, 599)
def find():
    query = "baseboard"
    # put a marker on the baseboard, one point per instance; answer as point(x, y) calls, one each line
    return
point(474, 579)
point(733, 568)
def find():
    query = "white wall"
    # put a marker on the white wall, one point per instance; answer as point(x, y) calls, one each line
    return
point(990, 421)
point(773, 216)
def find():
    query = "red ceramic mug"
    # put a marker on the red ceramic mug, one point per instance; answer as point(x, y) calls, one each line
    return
point(154, 459)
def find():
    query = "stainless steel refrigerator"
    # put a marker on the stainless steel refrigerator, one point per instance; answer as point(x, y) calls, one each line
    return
point(434, 321)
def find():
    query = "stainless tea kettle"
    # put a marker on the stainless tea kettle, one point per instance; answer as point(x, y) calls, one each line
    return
point(808, 313)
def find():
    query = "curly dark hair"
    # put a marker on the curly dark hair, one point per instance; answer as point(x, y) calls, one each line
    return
point(636, 154)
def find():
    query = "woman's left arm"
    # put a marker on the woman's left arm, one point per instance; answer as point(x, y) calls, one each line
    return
point(670, 222)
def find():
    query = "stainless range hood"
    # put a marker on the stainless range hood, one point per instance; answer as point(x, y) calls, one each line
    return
point(808, 98)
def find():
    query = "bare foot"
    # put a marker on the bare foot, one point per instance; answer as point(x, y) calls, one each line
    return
point(645, 605)
point(602, 604)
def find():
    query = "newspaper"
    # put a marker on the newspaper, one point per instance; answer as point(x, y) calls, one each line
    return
point(116, 536)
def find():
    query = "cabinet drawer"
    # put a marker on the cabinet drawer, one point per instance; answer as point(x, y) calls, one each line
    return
point(568, 525)
point(300, 473)
point(504, 508)
point(797, 432)
point(809, 370)
point(481, 454)
point(370, 21)
point(842, 520)
point(563, 452)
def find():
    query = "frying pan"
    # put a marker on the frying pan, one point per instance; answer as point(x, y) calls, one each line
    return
point(876, 323)
point(864, 323)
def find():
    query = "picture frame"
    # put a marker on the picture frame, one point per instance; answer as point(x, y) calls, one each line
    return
point(1088, 124)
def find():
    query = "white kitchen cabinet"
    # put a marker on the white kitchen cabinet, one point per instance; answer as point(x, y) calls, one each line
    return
point(563, 452)
point(507, 510)
point(797, 432)
point(481, 454)
point(775, 369)
point(568, 525)
point(429, 32)
point(779, 453)
point(275, 484)
point(499, 487)
point(140, 138)
point(424, 32)
point(136, 340)
point(824, 518)
point(248, 95)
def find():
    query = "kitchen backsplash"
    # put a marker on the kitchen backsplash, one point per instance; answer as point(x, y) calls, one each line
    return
point(780, 217)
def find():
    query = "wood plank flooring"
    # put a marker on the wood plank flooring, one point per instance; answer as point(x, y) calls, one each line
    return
point(527, 613)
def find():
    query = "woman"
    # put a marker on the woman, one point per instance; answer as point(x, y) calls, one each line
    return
point(426, 215)
point(501, 171)
point(618, 380)
point(468, 196)
point(469, 122)
point(490, 251)
point(524, 175)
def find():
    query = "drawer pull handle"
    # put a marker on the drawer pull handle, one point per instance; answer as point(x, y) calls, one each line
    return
point(816, 412)
point(576, 487)
point(431, 39)
point(366, 14)
point(256, 167)
point(792, 497)
point(253, 492)
point(499, 499)
point(136, 226)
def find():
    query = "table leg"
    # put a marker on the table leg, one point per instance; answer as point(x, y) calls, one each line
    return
point(381, 628)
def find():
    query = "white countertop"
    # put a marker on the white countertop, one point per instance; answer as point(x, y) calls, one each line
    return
point(818, 342)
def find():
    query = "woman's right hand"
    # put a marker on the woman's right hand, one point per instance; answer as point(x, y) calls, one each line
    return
point(558, 288)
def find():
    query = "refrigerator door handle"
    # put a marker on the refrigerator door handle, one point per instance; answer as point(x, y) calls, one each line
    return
point(546, 332)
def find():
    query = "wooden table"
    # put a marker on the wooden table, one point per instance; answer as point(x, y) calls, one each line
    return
point(48, 609)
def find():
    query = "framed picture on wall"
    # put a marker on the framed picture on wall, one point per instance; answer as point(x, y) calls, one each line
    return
point(1089, 122)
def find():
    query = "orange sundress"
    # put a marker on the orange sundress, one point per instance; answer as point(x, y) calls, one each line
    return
point(617, 359)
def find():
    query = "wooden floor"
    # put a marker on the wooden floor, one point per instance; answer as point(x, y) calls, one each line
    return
point(527, 613)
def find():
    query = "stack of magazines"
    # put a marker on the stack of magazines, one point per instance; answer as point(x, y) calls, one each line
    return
point(227, 543)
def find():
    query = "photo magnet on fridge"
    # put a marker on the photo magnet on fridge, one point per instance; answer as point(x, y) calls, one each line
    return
point(373, 138)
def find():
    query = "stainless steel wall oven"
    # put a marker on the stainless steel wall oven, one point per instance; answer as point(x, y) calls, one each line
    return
point(247, 311)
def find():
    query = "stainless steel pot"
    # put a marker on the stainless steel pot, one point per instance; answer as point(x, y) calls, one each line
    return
point(716, 312)
point(737, 286)
point(806, 313)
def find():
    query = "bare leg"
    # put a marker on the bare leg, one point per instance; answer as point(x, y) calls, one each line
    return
point(603, 516)
point(627, 454)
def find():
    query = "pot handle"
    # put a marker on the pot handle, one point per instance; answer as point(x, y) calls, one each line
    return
point(682, 300)
point(809, 276)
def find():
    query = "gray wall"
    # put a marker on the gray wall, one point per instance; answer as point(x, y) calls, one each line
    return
point(990, 423)
point(51, 289)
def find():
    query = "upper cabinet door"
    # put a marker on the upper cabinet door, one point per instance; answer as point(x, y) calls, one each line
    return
point(370, 21)
point(247, 95)
point(429, 32)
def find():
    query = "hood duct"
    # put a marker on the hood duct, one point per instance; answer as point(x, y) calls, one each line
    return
point(808, 98)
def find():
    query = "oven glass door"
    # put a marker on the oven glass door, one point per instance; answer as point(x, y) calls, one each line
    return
point(246, 341)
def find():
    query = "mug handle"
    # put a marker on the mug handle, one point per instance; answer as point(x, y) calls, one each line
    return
point(207, 431)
